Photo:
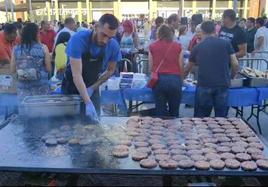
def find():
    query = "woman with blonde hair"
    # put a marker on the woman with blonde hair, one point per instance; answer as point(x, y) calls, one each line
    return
point(166, 59)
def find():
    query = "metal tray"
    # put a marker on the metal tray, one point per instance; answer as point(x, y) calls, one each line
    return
point(254, 81)
point(50, 106)
point(237, 83)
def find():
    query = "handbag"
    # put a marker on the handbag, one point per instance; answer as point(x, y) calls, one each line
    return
point(154, 75)
point(28, 68)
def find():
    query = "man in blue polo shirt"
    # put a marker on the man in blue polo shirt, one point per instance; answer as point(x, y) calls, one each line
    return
point(89, 52)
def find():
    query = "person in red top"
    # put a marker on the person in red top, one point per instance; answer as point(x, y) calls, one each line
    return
point(197, 37)
point(166, 59)
point(47, 35)
point(7, 42)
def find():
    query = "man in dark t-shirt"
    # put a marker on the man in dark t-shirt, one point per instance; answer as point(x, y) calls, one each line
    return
point(213, 56)
point(250, 33)
point(233, 33)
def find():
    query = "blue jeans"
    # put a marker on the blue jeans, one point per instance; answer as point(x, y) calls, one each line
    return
point(208, 98)
point(167, 93)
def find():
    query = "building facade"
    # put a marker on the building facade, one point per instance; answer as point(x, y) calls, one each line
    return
point(88, 10)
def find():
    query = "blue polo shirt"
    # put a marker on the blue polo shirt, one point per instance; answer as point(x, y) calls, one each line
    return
point(81, 43)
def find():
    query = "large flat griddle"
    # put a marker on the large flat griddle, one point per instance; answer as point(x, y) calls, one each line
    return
point(21, 149)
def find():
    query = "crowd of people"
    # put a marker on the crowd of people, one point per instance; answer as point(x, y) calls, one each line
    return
point(85, 55)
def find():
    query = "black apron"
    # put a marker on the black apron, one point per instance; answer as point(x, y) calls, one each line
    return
point(91, 69)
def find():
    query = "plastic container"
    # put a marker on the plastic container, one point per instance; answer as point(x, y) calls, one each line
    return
point(126, 75)
point(7, 84)
point(139, 83)
point(113, 83)
point(139, 76)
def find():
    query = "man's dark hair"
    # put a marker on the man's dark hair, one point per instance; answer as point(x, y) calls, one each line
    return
point(171, 18)
point(19, 25)
point(251, 19)
point(64, 37)
point(159, 20)
point(197, 19)
point(29, 35)
point(43, 23)
point(10, 28)
point(260, 21)
point(229, 13)
point(68, 21)
point(184, 21)
point(208, 27)
point(19, 20)
point(110, 19)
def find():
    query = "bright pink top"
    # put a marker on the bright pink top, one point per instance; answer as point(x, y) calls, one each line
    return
point(158, 50)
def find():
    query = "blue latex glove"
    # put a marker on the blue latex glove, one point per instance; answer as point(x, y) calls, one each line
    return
point(91, 112)
point(90, 91)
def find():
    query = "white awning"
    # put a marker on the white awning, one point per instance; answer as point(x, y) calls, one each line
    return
point(134, 8)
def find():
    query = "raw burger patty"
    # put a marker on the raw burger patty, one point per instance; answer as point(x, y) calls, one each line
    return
point(186, 164)
point(168, 164)
point(217, 164)
point(232, 164)
point(148, 163)
point(202, 165)
point(120, 151)
point(137, 156)
point(249, 166)
point(263, 164)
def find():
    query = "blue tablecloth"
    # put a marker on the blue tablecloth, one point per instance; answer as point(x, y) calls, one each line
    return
point(243, 97)
point(237, 97)
point(146, 95)
point(8, 100)
point(263, 94)
point(113, 97)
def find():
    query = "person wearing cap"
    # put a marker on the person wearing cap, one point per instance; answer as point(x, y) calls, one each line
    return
point(92, 58)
